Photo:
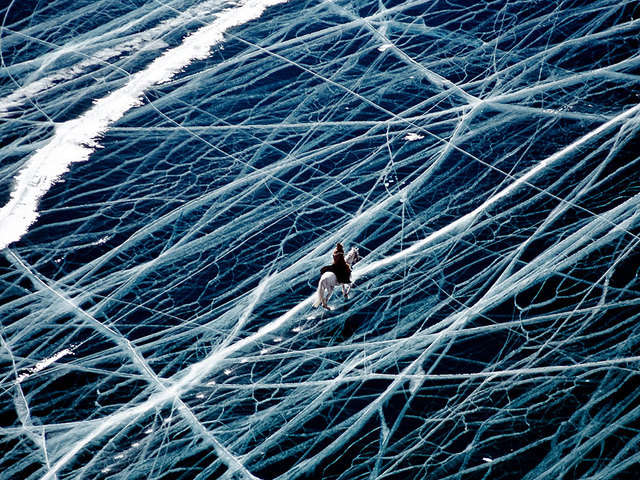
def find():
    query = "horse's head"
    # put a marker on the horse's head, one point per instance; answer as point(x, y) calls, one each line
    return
point(353, 256)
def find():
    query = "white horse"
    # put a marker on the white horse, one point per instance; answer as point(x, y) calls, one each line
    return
point(328, 281)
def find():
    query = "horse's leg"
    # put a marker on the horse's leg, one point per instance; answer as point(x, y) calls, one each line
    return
point(325, 299)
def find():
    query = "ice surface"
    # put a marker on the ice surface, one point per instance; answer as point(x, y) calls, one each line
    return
point(174, 174)
point(74, 140)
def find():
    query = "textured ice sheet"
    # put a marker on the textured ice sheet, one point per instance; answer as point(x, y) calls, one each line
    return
point(155, 321)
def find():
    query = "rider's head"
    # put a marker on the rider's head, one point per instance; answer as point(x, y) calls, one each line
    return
point(339, 247)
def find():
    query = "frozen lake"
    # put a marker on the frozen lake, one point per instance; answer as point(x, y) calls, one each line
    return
point(174, 174)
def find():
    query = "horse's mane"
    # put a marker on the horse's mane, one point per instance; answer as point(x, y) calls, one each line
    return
point(352, 256)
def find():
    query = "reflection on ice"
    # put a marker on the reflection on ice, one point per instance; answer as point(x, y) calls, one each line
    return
point(156, 318)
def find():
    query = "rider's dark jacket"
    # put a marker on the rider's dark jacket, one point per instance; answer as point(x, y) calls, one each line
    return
point(339, 268)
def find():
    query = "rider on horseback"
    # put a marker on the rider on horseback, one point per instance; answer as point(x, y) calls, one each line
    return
point(339, 272)
point(339, 267)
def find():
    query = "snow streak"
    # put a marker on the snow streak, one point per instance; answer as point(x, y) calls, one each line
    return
point(75, 140)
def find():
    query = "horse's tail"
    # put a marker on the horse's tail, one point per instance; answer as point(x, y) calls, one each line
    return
point(318, 300)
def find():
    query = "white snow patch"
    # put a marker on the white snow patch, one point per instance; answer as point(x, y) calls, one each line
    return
point(416, 380)
point(41, 365)
point(412, 137)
